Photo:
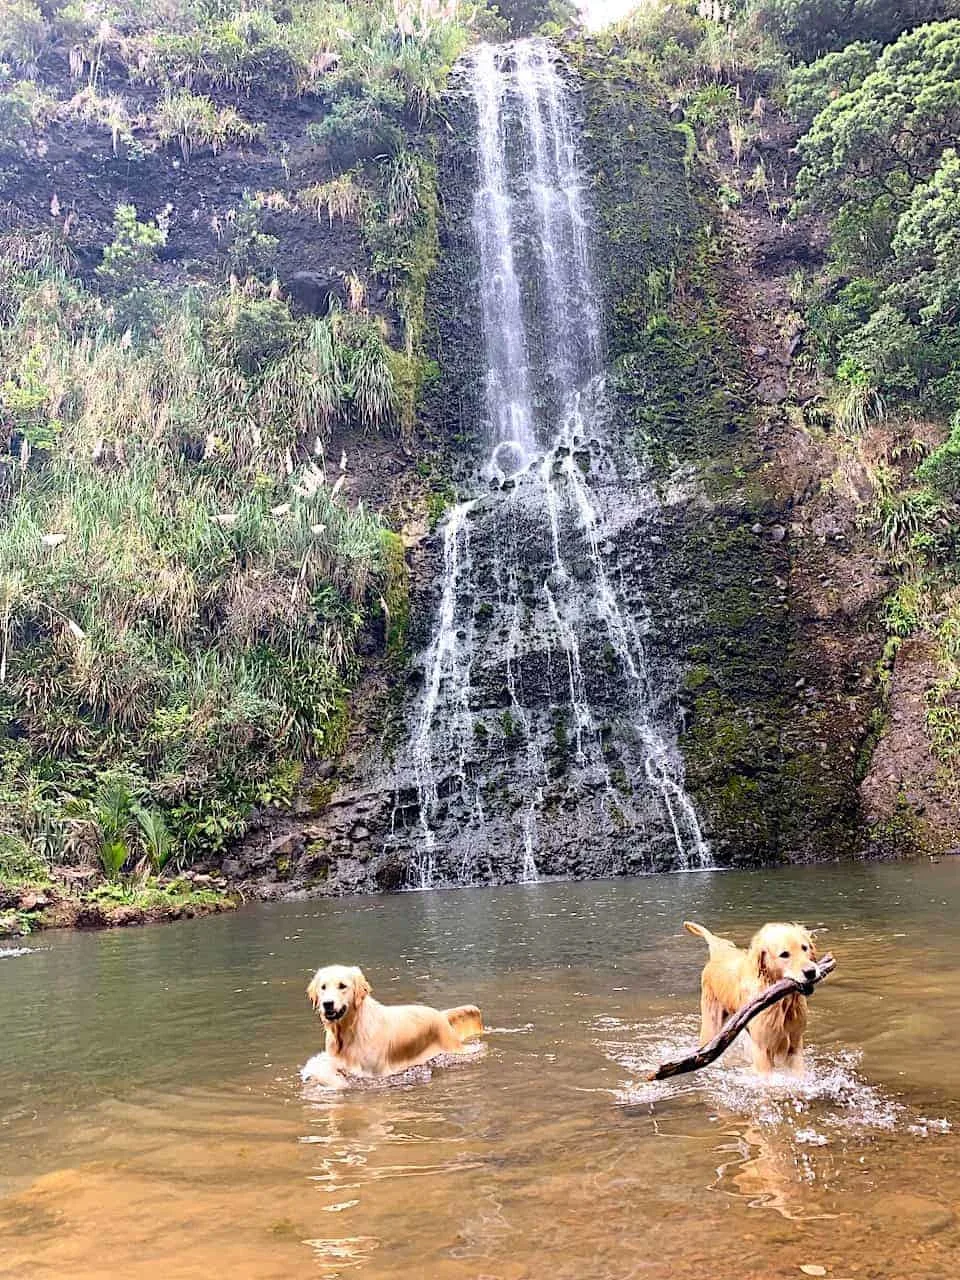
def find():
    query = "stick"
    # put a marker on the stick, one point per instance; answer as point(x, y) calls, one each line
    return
point(737, 1021)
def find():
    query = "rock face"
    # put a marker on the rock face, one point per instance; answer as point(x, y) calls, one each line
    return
point(733, 525)
point(539, 735)
point(753, 598)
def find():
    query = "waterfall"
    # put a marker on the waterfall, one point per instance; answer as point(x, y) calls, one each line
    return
point(544, 737)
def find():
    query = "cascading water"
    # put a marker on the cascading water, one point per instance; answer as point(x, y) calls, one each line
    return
point(543, 740)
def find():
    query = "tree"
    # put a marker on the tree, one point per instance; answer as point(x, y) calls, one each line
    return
point(926, 245)
point(525, 16)
point(875, 143)
point(810, 28)
point(813, 87)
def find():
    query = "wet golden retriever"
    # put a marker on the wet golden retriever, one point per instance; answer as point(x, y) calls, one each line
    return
point(731, 977)
point(367, 1038)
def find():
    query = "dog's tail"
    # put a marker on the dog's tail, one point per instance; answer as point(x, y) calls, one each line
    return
point(466, 1020)
point(713, 942)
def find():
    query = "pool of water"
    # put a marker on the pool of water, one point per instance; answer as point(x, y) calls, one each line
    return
point(152, 1121)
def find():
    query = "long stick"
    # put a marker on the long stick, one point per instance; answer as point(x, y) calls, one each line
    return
point(737, 1021)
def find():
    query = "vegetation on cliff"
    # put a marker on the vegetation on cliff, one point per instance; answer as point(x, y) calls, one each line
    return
point(218, 231)
point(182, 584)
point(867, 93)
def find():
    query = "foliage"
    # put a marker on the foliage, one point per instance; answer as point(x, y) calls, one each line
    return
point(111, 812)
point(810, 28)
point(23, 33)
point(24, 111)
point(180, 590)
point(358, 128)
point(109, 111)
point(342, 197)
point(192, 121)
point(941, 470)
point(813, 87)
point(156, 837)
point(926, 244)
point(526, 16)
point(134, 247)
point(878, 162)
point(874, 142)
point(248, 250)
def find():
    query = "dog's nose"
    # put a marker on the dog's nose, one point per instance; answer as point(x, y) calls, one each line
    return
point(328, 1007)
point(810, 973)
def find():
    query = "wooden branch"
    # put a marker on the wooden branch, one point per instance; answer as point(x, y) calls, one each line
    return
point(737, 1021)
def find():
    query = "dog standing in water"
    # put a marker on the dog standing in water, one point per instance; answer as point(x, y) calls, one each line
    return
point(731, 977)
point(366, 1038)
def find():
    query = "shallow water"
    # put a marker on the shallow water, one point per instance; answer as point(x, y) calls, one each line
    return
point(152, 1122)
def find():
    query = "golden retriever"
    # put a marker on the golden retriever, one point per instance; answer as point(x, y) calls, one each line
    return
point(367, 1038)
point(731, 977)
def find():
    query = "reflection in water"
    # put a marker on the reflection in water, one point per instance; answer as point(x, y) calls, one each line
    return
point(152, 1123)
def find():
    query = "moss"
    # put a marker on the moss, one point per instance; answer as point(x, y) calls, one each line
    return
point(697, 677)
point(511, 727)
point(396, 592)
point(320, 795)
point(763, 789)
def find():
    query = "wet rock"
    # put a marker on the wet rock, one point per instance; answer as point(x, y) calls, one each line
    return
point(915, 1215)
point(34, 901)
point(313, 291)
point(390, 873)
point(772, 391)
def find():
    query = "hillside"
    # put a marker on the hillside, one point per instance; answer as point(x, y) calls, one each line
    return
point(241, 389)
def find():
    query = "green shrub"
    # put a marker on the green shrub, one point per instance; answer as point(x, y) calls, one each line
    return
point(246, 248)
point(134, 248)
point(810, 28)
point(24, 111)
point(355, 129)
point(941, 470)
point(191, 120)
point(156, 837)
point(23, 33)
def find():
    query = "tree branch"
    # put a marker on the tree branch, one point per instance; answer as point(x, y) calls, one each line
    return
point(737, 1021)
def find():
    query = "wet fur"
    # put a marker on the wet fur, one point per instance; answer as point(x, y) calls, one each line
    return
point(732, 976)
point(374, 1039)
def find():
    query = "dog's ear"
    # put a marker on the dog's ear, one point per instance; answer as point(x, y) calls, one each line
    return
point(361, 987)
point(313, 992)
point(761, 960)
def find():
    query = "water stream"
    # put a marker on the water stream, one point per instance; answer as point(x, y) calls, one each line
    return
point(153, 1125)
point(543, 719)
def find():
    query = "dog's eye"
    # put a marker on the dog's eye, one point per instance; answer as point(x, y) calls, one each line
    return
point(805, 947)
point(343, 986)
point(785, 955)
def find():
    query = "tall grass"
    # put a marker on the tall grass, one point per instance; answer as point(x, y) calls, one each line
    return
point(180, 589)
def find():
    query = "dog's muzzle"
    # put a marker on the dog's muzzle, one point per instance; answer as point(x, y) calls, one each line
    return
point(331, 1013)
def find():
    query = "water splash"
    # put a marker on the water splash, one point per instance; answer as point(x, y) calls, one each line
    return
point(544, 534)
point(831, 1097)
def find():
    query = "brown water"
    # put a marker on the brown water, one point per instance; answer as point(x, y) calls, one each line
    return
point(152, 1123)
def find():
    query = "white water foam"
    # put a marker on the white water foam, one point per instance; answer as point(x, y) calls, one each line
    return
point(549, 461)
point(315, 1067)
point(832, 1096)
